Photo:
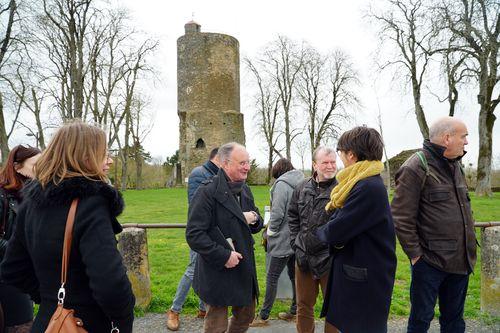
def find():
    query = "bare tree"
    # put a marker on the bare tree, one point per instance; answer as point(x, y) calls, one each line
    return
point(284, 60)
point(405, 25)
point(476, 27)
point(455, 70)
point(267, 103)
point(136, 67)
point(141, 125)
point(7, 9)
point(71, 19)
point(326, 88)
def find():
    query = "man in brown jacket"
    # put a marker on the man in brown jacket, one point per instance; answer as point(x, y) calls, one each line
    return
point(433, 220)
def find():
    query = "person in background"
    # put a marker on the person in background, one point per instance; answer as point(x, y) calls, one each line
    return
point(198, 175)
point(221, 220)
point(16, 307)
point(278, 239)
point(361, 236)
point(434, 224)
point(305, 214)
point(74, 166)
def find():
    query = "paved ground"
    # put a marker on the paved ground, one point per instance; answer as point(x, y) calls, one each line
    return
point(156, 323)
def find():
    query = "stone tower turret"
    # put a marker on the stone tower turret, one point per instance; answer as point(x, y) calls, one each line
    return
point(208, 94)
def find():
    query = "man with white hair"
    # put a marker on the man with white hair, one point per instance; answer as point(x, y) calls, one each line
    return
point(221, 220)
point(434, 223)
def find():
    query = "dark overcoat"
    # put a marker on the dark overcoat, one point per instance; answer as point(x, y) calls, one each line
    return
point(362, 242)
point(215, 215)
point(97, 286)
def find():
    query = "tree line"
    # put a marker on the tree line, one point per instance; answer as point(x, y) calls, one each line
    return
point(301, 91)
point(64, 59)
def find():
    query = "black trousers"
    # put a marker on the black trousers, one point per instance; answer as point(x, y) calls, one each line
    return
point(276, 266)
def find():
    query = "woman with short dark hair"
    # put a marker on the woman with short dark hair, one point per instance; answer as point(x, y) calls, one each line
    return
point(278, 239)
point(361, 238)
point(16, 307)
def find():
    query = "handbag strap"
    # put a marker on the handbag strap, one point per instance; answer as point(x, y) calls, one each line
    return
point(68, 237)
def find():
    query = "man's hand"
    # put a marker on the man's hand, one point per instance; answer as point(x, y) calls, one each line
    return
point(251, 217)
point(414, 260)
point(234, 259)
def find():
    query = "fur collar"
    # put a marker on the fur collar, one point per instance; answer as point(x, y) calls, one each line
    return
point(70, 188)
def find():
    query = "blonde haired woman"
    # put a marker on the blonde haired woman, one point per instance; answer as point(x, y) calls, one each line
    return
point(74, 165)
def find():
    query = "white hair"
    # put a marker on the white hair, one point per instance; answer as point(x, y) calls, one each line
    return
point(319, 149)
point(441, 127)
point(226, 149)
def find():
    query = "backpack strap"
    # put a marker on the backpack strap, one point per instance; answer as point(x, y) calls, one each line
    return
point(425, 166)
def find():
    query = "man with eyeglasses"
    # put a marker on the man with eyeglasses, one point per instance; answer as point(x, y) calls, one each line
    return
point(305, 214)
point(222, 218)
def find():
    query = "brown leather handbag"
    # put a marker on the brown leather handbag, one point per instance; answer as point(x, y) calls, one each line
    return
point(63, 320)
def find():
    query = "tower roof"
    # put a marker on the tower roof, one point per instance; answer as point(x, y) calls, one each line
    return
point(192, 27)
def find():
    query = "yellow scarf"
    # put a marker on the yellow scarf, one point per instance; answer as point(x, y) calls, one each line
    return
point(348, 177)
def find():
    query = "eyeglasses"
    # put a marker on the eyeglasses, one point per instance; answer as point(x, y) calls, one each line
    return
point(242, 163)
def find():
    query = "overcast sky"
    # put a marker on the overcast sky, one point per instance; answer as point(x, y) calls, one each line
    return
point(324, 24)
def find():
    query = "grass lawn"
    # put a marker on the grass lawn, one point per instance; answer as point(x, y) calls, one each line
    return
point(169, 252)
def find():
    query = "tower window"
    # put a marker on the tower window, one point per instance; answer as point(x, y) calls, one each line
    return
point(200, 143)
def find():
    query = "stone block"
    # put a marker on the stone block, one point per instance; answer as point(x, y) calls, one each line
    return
point(490, 271)
point(133, 246)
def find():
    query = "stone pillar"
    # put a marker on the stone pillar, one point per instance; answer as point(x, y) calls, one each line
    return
point(490, 270)
point(133, 246)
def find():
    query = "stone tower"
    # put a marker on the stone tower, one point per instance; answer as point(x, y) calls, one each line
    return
point(208, 94)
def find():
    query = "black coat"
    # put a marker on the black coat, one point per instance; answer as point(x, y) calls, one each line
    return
point(362, 241)
point(215, 215)
point(97, 287)
point(9, 201)
point(306, 213)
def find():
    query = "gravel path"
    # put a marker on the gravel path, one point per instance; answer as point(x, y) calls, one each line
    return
point(156, 323)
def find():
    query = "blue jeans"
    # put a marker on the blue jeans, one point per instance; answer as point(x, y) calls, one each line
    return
point(185, 284)
point(427, 283)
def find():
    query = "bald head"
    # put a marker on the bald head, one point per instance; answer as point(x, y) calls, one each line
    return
point(450, 133)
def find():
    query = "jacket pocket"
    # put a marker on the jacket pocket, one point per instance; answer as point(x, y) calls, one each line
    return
point(358, 274)
point(442, 244)
point(439, 195)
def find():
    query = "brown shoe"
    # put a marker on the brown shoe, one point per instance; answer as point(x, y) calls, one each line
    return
point(259, 322)
point(172, 320)
point(201, 314)
point(286, 316)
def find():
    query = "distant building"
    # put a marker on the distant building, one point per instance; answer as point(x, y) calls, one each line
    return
point(208, 94)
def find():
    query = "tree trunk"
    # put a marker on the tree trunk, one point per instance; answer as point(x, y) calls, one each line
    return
point(123, 182)
point(419, 111)
point(138, 170)
point(269, 165)
point(288, 136)
point(4, 140)
point(40, 137)
point(483, 180)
